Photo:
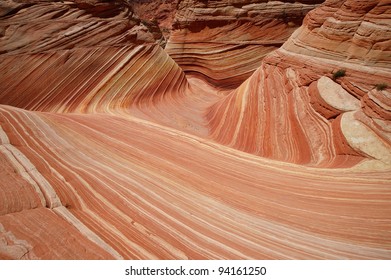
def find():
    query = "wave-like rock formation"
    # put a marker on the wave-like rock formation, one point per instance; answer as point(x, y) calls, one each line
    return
point(152, 192)
point(353, 31)
point(90, 79)
point(39, 26)
point(110, 149)
point(297, 107)
point(225, 43)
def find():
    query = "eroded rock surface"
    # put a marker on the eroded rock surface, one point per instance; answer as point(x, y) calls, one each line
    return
point(224, 42)
point(250, 136)
point(291, 108)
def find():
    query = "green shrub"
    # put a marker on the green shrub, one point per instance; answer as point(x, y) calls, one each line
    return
point(381, 86)
point(340, 73)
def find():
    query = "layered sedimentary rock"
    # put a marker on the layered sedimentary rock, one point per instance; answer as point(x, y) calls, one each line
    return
point(41, 233)
point(109, 149)
point(353, 31)
point(152, 192)
point(90, 79)
point(162, 12)
point(297, 108)
point(224, 42)
point(81, 56)
point(39, 26)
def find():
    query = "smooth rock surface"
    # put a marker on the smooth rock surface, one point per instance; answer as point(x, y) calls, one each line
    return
point(236, 141)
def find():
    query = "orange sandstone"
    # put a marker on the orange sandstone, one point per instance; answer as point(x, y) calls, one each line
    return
point(234, 142)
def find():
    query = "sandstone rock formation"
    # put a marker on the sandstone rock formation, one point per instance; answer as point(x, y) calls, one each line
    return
point(113, 148)
point(291, 109)
point(40, 26)
point(162, 12)
point(225, 41)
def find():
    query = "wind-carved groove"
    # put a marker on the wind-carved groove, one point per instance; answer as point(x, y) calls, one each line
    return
point(224, 145)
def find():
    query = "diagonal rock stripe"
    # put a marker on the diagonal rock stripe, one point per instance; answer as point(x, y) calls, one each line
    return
point(247, 137)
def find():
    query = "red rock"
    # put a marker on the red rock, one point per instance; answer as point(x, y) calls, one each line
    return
point(48, 26)
point(109, 149)
point(90, 80)
point(352, 31)
point(269, 114)
point(163, 12)
point(225, 43)
point(134, 184)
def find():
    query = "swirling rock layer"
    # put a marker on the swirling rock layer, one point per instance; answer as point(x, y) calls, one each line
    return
point(225, 43)
point(90, 79)
point(353, 31)
point(134, 184)
point(39, 26)
point(113, 148)
point(291, 108)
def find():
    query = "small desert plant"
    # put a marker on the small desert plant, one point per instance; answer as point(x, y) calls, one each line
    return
point(340, 73)
point(381, 86)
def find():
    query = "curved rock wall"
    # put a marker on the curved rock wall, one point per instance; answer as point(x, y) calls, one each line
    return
point(352, 31)
point(225, 42)
point(151, 192)
point(90, 79)
point(290, 108)
point(215, 148)
point(56, 25)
